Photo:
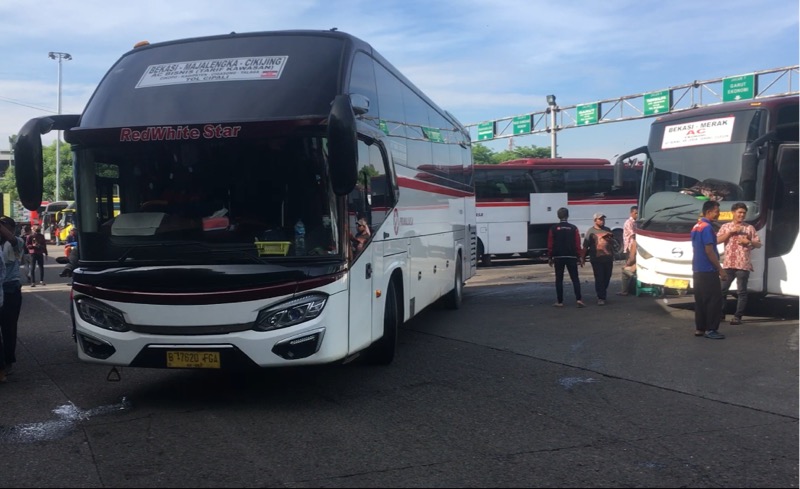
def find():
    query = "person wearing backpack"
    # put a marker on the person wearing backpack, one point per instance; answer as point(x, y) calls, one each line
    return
point(599, 245)
point(564, 251)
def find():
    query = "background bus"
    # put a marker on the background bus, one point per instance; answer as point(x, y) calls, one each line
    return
point(231, 244)
point(37, 214)
point(733, 152)
point(50, 219)
point(517, 200)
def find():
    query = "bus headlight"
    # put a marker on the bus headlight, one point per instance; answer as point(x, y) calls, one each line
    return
point(101, 315)
point(292, 312)
point(643, 252)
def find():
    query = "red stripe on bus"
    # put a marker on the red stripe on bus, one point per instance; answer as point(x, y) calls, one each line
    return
point(431, 187)
point(525, 203)
point(205, 298)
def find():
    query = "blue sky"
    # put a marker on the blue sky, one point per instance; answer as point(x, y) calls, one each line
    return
point(481, 60)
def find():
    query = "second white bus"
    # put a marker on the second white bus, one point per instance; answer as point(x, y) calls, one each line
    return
point(517, 200)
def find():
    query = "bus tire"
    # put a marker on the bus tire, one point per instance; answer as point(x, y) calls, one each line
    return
point(382, 351)
point(454, 297)
point(484, 258)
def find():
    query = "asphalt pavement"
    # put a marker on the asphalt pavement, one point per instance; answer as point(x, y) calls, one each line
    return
point(508, 391)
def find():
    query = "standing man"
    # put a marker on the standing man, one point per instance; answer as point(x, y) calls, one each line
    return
point(11, 247)
point(707, 273)
point(599, 245)
point(629, 248)
point(37, 247)
point(564, 250)
point(739, 238)
point(26, 256)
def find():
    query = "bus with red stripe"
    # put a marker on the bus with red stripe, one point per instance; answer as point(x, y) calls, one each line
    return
point(219, 183)
point(734, 152)
point(517, 201)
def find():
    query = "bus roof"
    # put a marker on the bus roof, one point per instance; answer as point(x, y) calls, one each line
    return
point(770, 102)
point(544, 163)
point(557, 162)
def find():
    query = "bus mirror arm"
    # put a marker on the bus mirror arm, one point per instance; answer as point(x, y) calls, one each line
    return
point(619, 165)
point(342, 145)
point(750, 164)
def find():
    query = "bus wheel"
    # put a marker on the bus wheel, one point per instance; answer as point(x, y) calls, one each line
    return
point(454, 297)
point(484, 257)
point(382, 351)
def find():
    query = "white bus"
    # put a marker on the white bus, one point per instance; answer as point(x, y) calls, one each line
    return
point(732, 152)
point(240, 164)
point(517, 201)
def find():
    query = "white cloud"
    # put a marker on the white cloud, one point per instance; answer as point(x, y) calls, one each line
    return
point(480, 60)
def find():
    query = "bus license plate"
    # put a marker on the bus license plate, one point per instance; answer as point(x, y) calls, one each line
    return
point(676, 283)
point(193, 359)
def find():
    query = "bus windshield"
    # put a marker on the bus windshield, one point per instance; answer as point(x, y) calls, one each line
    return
point(207, 202)
point(698, 159)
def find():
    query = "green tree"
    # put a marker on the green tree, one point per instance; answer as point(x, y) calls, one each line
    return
point(67, 192)
point(8, 185)
point(522, 152)
point(481, 155)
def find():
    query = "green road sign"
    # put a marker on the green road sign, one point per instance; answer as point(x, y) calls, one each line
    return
point(433, 134)
point(738, 88)
point(657, 102)
point(586, 114)
point(485, 131)
point(522, 124)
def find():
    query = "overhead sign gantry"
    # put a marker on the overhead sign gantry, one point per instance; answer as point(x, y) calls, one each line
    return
point(759, 84)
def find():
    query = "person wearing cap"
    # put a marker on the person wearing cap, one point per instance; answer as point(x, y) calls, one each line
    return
point(11, 250)
point(599, 245)
point(361, 236)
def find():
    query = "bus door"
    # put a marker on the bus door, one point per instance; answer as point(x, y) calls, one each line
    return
point(544, 207)
point(782, 247)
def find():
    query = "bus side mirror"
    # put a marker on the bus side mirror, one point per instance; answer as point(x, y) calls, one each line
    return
point(619, 164)
point(342, 145)
point(28, 162)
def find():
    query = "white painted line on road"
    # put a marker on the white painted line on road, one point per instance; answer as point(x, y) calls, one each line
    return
point(31, 292)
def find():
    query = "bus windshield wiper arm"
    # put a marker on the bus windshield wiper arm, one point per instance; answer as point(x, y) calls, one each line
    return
point(198, 248)
point(655, 213)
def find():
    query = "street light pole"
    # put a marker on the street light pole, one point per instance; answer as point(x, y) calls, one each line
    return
point(59, 57)
point(552, 108)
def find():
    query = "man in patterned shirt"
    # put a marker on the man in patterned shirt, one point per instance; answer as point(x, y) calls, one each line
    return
point(739, 238)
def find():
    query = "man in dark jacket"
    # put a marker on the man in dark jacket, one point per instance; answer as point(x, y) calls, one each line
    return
point(564, 250)
point(37, 247)
point(600, 246)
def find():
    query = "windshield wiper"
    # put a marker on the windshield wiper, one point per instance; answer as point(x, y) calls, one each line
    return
point(198, 248)
point(246, 252)
point(124, 256)
point(655, 213)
